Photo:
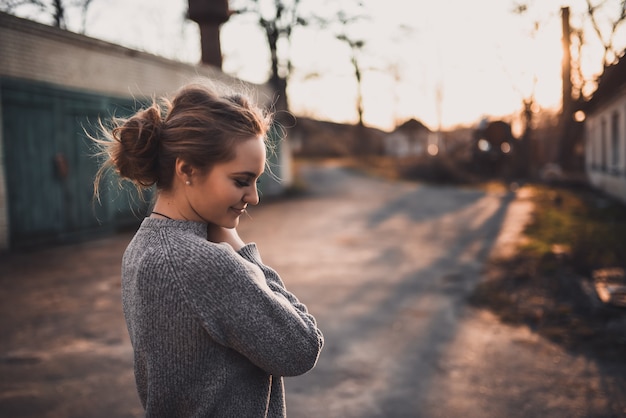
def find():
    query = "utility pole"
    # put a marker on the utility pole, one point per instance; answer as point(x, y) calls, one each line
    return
point(565, 143)
point(566, 66)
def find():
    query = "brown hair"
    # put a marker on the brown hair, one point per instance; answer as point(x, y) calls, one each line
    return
point(197, 126)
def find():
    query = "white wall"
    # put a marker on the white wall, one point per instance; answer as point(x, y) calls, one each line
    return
point(605, 146)
point(33, 51)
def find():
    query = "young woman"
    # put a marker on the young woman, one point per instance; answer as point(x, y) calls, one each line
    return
point(213, 329)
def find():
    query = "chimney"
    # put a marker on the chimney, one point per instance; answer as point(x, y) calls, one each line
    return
point(210, 15)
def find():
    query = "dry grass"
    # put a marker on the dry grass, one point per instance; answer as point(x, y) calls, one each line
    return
point(548, 284)
point(579, 225)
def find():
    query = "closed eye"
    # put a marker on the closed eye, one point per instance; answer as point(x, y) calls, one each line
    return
point(245, 183)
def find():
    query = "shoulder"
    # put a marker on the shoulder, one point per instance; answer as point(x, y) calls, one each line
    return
point(189, 253)
point(182, 249)
point(173, 240)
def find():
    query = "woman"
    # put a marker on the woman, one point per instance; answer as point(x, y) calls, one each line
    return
point(213, 329)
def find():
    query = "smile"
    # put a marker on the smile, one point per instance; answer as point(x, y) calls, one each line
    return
point(238, 211)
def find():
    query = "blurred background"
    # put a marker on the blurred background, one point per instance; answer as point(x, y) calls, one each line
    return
point(448, 90)
point(447, 191)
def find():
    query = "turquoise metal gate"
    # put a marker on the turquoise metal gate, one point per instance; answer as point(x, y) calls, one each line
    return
point(50, 165)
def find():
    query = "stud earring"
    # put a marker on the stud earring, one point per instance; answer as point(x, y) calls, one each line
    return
point(188, 183)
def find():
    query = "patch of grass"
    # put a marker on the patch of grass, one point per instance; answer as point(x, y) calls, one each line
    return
point(548, 286)
point(578, 224)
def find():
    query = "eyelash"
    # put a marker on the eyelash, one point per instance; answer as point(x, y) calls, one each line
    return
point(242, 184)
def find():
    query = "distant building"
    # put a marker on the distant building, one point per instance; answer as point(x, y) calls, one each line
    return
point(409, 139)
point(55, 84)
point(605, 132)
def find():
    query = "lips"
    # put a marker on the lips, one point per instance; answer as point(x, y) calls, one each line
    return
point(238, 211)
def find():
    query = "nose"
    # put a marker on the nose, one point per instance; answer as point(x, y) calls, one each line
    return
point(252, 196)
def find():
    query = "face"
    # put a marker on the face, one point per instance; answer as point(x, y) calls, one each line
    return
point(222, 195)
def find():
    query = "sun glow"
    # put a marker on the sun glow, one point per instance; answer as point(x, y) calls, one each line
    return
point(444, 63)
point(482, 63)
point(458, 62)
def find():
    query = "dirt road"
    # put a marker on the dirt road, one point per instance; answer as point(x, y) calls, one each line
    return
point(387, 269)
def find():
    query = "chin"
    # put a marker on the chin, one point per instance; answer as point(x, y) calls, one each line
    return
point(230, 224)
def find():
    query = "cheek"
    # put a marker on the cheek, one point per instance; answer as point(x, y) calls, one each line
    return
point(228, 194)
point(236, 194)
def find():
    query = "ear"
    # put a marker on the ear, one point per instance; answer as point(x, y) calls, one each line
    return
point(183, 170)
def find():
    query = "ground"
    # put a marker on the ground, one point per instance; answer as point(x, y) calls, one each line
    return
point(562, 306)
point(409, 283)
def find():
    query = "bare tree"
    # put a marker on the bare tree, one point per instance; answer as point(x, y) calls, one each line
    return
point(600, 19)
point(278, 19)
point(84, 8)
point(605, 18)
point(605, 29)
point(606, 37)
point(356, 45)
point(56, 10)
point(605, 24)
point(341, 26)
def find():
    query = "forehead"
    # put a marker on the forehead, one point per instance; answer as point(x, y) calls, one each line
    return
point(250, 156)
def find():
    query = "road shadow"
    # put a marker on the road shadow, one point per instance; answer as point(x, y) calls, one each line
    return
point(562, 308)
point(427, 202)
point(413, 317)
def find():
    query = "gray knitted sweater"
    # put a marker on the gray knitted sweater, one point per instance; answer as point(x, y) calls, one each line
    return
point(213, 330)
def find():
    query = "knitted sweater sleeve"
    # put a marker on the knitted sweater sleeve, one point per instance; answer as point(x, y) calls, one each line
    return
point(244, 305)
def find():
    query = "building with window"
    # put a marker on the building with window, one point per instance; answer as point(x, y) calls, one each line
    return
point(605, 132)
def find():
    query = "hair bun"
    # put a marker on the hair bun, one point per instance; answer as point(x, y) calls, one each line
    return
point(139, 139)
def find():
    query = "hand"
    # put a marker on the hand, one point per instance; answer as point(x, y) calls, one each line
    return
point(217, 233)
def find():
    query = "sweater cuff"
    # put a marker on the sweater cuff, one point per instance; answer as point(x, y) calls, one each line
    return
point(251, 253)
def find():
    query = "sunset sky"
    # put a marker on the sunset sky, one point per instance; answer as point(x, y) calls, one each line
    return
point(480, 56)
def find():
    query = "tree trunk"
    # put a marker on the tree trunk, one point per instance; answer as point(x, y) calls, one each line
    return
point(278, 83)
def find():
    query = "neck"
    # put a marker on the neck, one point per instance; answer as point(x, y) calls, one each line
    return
point(169, 205)
point(165, 206)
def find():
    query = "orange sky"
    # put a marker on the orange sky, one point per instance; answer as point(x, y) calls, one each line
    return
point(479, 55)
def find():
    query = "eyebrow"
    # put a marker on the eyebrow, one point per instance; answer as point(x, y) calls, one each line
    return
point(247, 174)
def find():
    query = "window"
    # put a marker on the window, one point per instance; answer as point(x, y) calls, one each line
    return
point(602, 147)
point(615, 137)
point(589, 145)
